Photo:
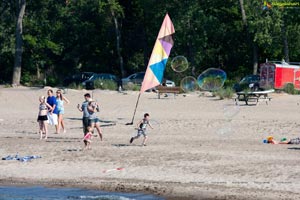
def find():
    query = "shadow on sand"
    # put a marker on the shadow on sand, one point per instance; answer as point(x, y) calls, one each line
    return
point(294, 148)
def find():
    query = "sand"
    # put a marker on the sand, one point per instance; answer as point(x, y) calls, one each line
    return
point(200, 147)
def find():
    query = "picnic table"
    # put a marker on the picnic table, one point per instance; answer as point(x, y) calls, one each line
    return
point(164, 89)
point(254, 96)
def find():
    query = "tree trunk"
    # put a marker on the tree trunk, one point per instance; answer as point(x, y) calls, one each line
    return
point(255, 58)
point(250, 42)
point(19, 43)
point(244, 18)
point(38, 72)
point(285, 43)
point(118, 40)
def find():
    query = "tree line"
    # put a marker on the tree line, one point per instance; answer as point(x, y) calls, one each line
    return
point(54, 38)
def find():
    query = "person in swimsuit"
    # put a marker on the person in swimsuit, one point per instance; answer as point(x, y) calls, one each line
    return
point(87, 139)
point(42, 117)
point(141, 129)
point(60, 110)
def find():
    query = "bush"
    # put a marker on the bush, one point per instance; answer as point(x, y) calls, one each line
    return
point(26, 78)
point(7, 86)
point(75, 86)
point(224, 93)
point(52, 81)
point(289, 88)
point(34, 83)
point(105, 84)
point(211, 83)
point(132, 86)
point(229, 83)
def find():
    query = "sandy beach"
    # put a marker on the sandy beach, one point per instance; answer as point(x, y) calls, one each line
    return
point(200, 147)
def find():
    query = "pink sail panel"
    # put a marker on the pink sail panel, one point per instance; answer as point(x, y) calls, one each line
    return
point(159, 57)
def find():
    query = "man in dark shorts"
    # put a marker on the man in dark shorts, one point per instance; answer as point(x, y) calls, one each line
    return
point(83, 108)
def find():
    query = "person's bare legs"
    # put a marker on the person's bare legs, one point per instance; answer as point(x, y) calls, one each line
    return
point(89, 144)
point(59, 122)
point(63, 123)
point(45, 129)
point(56, 129)
point(145, 139)
point(41, 123)
point(85, 144)
point(99, 130)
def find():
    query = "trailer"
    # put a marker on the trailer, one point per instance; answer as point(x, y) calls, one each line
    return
point(276, 74)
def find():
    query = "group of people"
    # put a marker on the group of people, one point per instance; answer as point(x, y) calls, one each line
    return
point(51, 110)
point(90, 121)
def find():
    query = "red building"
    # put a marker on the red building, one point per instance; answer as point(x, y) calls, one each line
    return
point(276, 74)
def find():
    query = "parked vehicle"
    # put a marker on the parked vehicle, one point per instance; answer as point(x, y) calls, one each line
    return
point(90, 83)
point(77, 78)
point(136, 78)
point(250, 82)
point(169, 83)
point(276, 74)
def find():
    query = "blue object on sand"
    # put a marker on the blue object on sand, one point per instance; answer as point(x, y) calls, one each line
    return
point(22, 159)
point(265, 141)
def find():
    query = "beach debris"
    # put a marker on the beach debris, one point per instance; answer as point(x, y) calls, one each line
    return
point(72, 149)
point(110, 170)
point(269, 140)
point(20, 158)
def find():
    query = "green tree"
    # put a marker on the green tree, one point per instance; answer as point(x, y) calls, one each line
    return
point(21, 5)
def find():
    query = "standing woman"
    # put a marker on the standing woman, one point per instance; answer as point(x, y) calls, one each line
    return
point(42, 117)
point(93, 119)
point(61, 110)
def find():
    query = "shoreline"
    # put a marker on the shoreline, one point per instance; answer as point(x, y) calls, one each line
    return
point(107, 186)
point(167, 190)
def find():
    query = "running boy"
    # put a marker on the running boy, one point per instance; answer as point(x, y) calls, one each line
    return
point(141, 127)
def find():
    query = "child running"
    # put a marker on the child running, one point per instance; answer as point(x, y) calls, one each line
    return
point(87, 139)
point(141, 127)
point(42, 116)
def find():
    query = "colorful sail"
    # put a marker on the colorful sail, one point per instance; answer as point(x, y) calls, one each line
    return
point(159, 57)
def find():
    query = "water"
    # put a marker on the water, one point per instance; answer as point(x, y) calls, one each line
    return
point(42, 193)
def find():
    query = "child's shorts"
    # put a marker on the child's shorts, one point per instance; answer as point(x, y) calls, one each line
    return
point(141, 132)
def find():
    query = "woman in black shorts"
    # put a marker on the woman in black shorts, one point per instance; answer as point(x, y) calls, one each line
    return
point(42, 117)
